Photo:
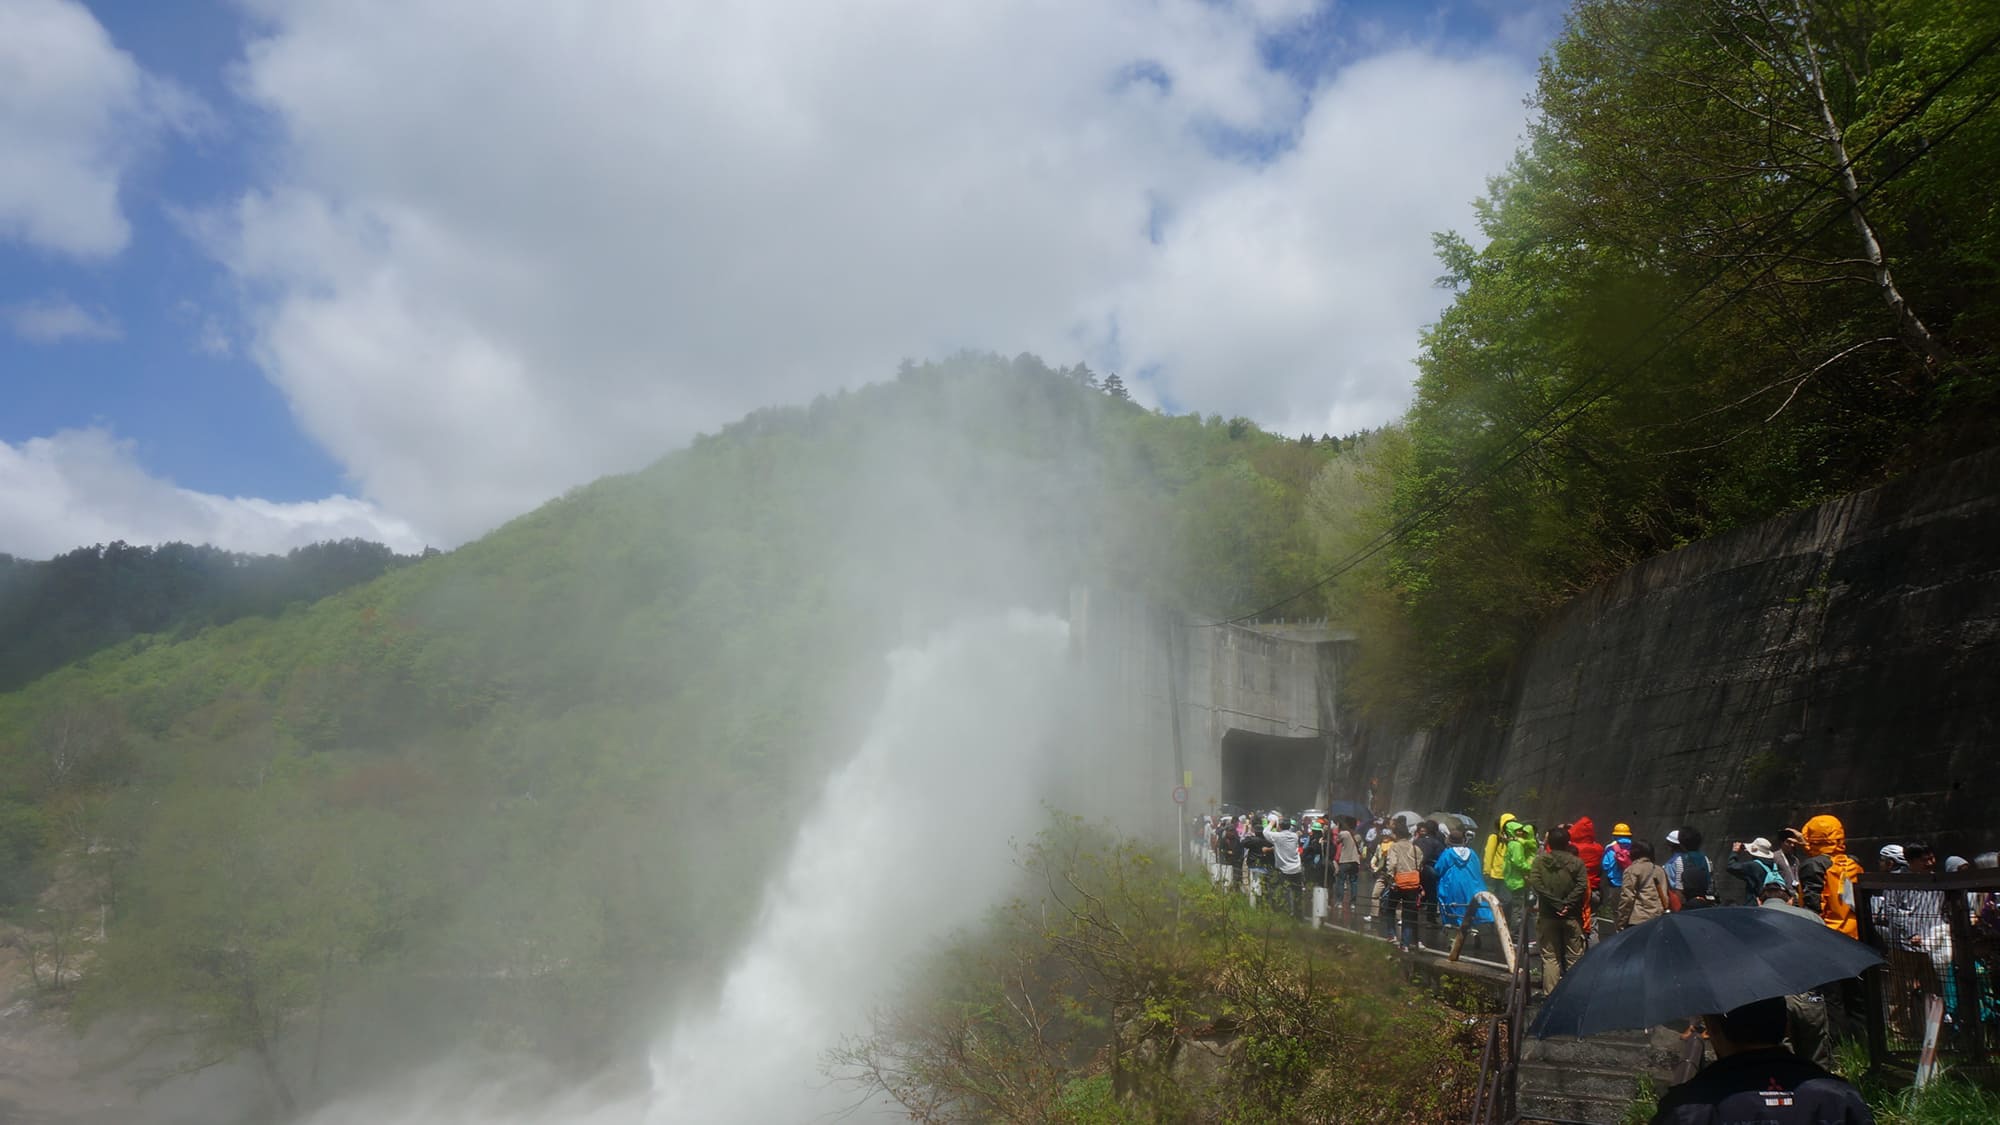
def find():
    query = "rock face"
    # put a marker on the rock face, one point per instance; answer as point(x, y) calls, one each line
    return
point(1844, 659)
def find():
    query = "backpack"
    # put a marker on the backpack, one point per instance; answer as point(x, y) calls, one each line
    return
point(1495, 860)
point(1766, 871)
point(1694, 876)
point(1836, 901)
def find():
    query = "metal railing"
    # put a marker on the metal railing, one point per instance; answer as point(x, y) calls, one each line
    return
point(1941, 937)
point(1493, 1100)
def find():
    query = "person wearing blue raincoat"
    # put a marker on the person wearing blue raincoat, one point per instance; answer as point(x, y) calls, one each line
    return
point(1459, 880)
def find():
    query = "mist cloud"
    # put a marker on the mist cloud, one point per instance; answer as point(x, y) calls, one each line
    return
point(601, 229)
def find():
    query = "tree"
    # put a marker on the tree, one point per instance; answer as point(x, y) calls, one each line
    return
point(247, 903)
point(1731, 114)
point(76, 744)
point(1728, 275)
point(1115, 387)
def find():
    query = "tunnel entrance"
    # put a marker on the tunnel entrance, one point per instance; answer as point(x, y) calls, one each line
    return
point(1271, 771)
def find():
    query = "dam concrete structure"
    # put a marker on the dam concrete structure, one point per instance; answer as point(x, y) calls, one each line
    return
point(1241, 714)
point(1843, 658)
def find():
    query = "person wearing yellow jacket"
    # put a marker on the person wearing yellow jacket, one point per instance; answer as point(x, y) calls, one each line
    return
point(1494, 859)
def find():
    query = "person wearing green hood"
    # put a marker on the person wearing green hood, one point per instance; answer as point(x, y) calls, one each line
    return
point(1517, 859)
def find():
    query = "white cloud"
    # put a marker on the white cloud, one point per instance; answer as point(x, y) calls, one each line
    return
point(75, 113)
point(55, 319)
point(78, 487)
point(1295, 296)
point(605, 227)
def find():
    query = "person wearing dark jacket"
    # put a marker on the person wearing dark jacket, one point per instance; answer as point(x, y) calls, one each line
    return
point(1257, 854)
point(1687, 869)
point(1559, 880)
point(1754, 863)
point(1430, 845)
point(1756, 1080)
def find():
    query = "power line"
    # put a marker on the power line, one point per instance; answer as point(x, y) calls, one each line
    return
point(1500, 460)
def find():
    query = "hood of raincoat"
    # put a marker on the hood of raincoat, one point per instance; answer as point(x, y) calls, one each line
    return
point(1506, 818)
point(1583, 831)
point(1825, 835)
point(1520, 828)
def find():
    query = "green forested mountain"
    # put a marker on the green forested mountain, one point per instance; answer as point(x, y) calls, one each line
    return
point(520, 775)
point(53, 612)
point(1748, 260)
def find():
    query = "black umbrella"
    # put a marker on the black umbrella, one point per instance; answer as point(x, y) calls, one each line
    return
point(1693, 963)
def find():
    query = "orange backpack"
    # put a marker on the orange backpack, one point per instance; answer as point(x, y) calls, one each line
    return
point(1836, 899)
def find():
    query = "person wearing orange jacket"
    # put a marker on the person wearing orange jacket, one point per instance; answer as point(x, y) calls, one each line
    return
point(1826, 887)
point(1827, 875)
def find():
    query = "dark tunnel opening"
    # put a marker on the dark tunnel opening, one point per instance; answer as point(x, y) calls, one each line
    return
point(1270, 771)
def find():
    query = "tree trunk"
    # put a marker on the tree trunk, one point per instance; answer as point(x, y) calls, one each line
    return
point(1914, 331)
point(261, 1046)
point(319, 1022)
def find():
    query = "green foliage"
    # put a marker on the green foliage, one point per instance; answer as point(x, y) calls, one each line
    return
point(1113, 991)
point(57, 611)
point(1674, 305)
point(1091, 1101)
point(1946, 1101)
point(1644, 1105)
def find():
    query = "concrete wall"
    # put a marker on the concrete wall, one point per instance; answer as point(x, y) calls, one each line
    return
point(1844, 659)
point(1153, 671)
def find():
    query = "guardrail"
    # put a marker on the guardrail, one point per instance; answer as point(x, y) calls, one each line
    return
point(1941, 936)
point(1493, 1101)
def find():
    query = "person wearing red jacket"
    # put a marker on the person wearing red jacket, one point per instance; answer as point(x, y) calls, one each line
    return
point(1583, 837)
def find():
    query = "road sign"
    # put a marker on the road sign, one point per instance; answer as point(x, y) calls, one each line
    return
point(1180, 794)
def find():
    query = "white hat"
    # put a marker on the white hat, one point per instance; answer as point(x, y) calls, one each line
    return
point(1674, 837)
point(1761, 848)
point(1892, 853)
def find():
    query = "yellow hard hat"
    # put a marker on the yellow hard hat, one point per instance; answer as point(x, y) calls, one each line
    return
point(1621, 829)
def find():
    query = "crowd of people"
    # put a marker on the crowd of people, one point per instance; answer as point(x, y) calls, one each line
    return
point(1420, 881)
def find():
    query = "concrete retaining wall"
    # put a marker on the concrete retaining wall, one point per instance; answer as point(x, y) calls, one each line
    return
point(1843, 659)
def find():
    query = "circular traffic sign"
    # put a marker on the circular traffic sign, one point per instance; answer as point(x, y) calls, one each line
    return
point(1180, 795)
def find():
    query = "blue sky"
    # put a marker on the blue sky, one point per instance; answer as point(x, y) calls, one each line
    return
point(208, 421)
point(302, 296)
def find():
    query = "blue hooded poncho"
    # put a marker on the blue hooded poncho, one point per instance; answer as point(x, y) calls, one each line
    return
point(1459, 879)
